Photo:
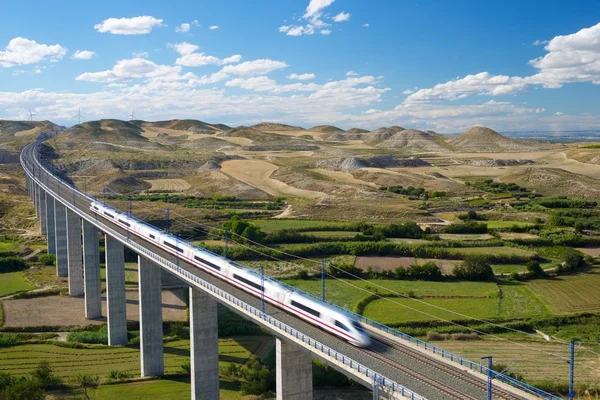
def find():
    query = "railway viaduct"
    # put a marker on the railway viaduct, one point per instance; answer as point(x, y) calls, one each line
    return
point(396, 366)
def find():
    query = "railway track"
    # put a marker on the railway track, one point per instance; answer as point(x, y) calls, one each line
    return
point(441, 367)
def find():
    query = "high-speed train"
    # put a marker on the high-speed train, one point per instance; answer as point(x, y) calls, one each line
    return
point(325, 317)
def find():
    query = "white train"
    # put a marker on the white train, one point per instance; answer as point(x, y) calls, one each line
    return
point(325, 317)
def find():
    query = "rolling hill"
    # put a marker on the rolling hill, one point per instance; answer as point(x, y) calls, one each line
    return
point(411, 140)
point(190, 125)
point(273, 126)
point(326, 129)
point(482, 139)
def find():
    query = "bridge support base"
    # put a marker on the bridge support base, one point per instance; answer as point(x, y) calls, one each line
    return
point(204, 346)
point(50, 225)
point(91, 271)
point(115, 292)
point(294, 372)
point(36, 198)
point(60, 232)
point(151, 328)
point(74, 254)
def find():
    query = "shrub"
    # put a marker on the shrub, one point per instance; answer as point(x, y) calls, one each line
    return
point(179, 330)
point(47, 259)
point(467, 227)
point(44, 375)
point(10, 264)
point(255, 377)
point(186, 367)
point(98, 337)
point(426, 272)
point(6, 380)
point(474, 268)
point(8, 339)
point(25, 389)
point(116, 375)
point(534, 269)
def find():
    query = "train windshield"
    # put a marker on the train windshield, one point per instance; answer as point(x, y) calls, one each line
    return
point(358, 326)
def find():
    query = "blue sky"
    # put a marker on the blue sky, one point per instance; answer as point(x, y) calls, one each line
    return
point(439, 65)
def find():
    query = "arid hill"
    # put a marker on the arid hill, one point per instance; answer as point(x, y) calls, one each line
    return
point(482, 139)
point(273, 126)
point(255, 135)
point(555, 182)
point(411, 140)
point(357, 130)
point(190, 125)
point(326, 129)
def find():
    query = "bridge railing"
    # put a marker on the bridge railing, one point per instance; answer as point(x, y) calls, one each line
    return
point(326, 352)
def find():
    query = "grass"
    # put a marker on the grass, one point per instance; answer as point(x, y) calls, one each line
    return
point(270, 225)
point(44, 277)
point(506, 224)
point(331, 233)
point(131, 274)
point(13, 282)
point(570, 293)
point(494, 250)
point(22, 359)
point(510, 268)
point(7, 247)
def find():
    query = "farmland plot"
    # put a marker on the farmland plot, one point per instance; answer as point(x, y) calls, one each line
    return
point(570, 293)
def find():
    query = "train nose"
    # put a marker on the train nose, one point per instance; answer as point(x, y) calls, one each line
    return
point(365, 341)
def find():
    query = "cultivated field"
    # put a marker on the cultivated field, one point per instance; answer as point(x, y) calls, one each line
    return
point(571, 293)
point(168, 185)
point(391, 263)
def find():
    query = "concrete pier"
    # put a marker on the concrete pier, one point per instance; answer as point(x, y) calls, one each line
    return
point(204, 346)
point(42, 206)
point(74, 254)
point(60, 230)
point(50, 228)
point(91, 271)
point(115, 292)
point(294, 372)
point(36, 199)
point(151, 328)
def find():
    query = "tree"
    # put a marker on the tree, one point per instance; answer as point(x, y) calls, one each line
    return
point(535, 269)
point(572, 260)
point(255, 376)
point(6, 380)
point(87, 382)
point(44, 374)
point(25, 389)
point(579, 227)
point(474, 268)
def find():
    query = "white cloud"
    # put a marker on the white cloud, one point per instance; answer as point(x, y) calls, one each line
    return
point(570, 58)
point(301, 77)
point(125, 70)
point(213, 27)
point(21, 51)
point(140, 54)
point(365, 25)
point(183, 28)
point(539, 42)
point(83, 55)
point(190, 58)
point(315, 7)
point(408, 91)
point(558, 113)
point(341, 17)
point(325, 32)
point(351, 73)
point(255, 67)
point(129, 26)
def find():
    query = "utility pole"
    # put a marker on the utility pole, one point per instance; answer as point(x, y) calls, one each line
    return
point(489, 376)
point(323, 280)
point(375, 388)
point(572, 368)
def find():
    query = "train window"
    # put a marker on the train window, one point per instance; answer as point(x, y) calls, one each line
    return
point(109, 215)
point(248, 282)
point(213, 266)
point(307, 309)
point(95, 208)
point(124, 223)
point(340, 325)
point(358, 326)
point(171, 245)
point(152, 236)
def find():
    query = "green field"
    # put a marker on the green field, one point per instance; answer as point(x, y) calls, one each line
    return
point(12, 282)
point(506, 224)
point(22, 359)
point(131, 275)
point(331, 233)
point(270, 225)
point(507, 269)
point(570, 293)
point(494, 250)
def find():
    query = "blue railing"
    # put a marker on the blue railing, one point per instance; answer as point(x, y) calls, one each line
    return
point(369, 375)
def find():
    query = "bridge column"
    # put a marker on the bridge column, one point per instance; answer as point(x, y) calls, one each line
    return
point(42, 207)
point(204, 346)
point(74, 254)
point(50, 224)
point(151, 328)
point(115, 292)
point(91, 272)
point(36, 199)
point(294, 372)
point(60, 224)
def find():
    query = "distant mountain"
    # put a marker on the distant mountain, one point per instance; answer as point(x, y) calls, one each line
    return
point(482, 139)
point(326, 129)
point(254, 134)
point(190, 125)
point(273, 126)
point(46, 129)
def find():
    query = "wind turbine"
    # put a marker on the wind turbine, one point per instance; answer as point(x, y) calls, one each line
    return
point(132, 115)
point(79, 116)
point(31, 115)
